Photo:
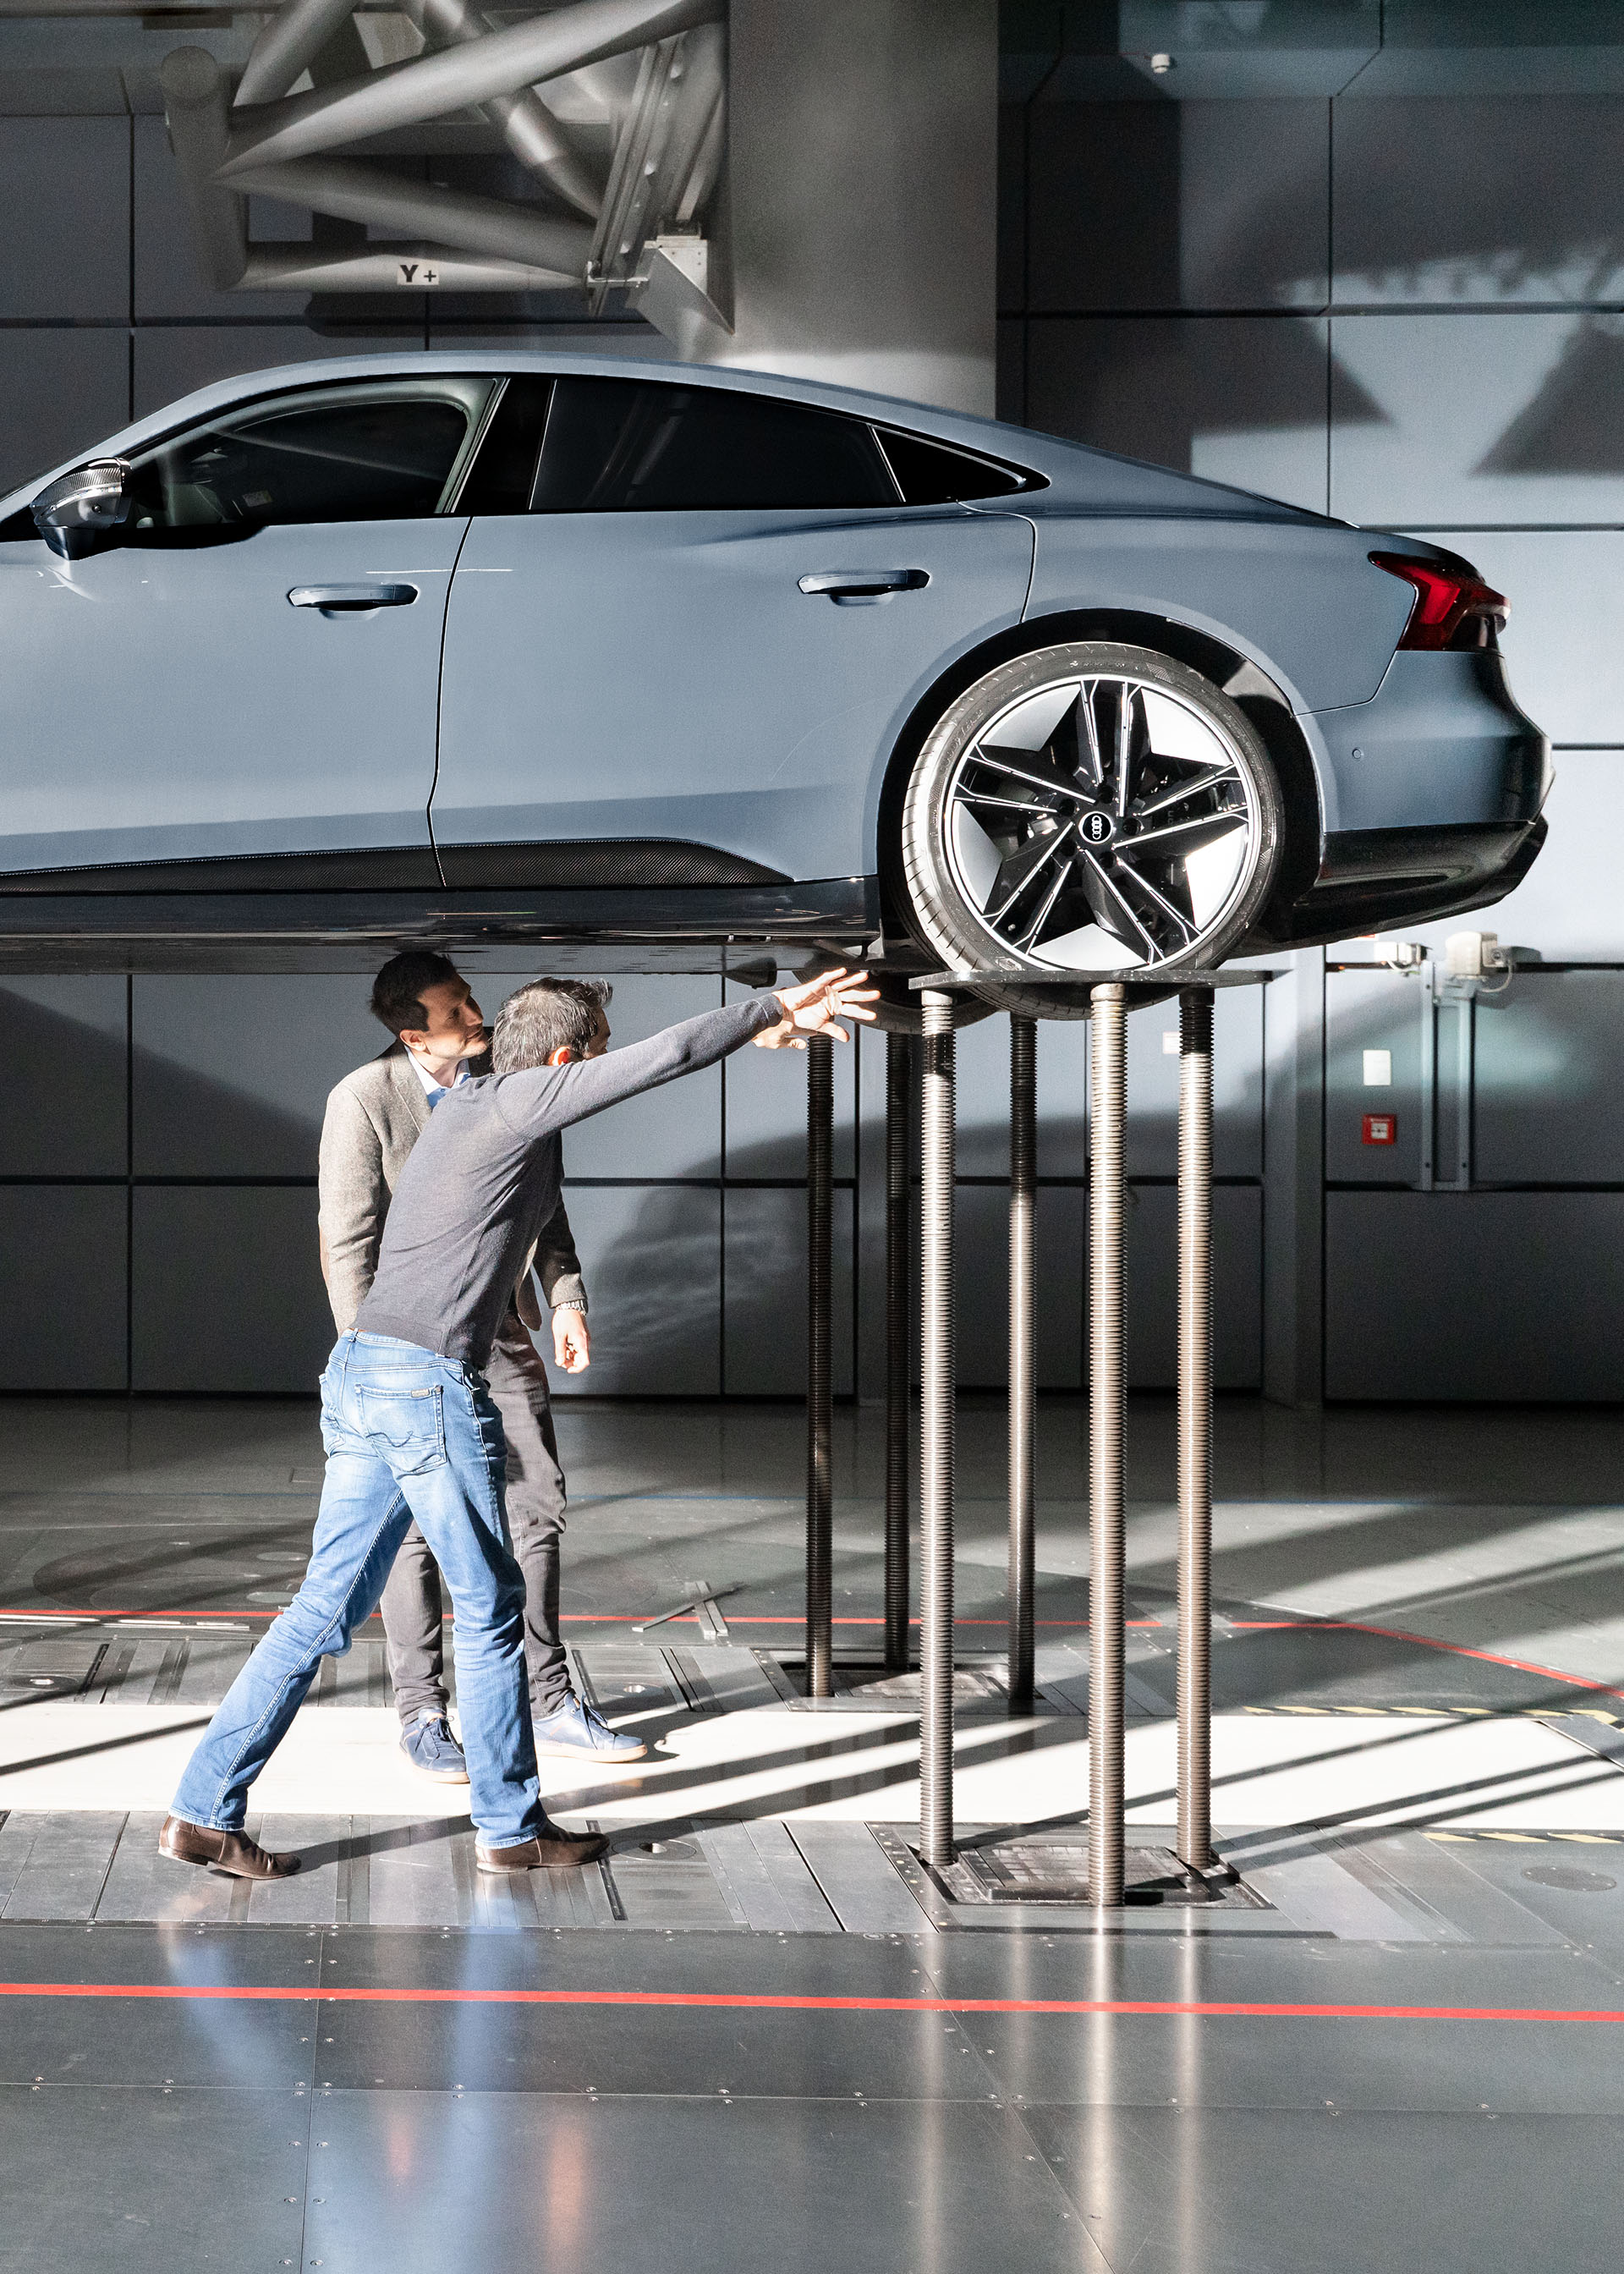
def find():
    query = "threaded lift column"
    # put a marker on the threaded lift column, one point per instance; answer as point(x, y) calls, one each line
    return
point(935, 1479)
point(1106, 1430)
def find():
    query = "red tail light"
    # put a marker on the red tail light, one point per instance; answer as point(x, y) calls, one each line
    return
point(1453, 607)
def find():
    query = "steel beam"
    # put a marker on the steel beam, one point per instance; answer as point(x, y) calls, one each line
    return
point(352, 189)
point(1023, 1356)
point(289, 43)
point(196, 108)
point(411, 266)
point(1107, 1432)
point(431, 85)
point(1195, 1426)
point(522, 119)
point(935, 1482)
point(820, 1276)
point(898, 1371)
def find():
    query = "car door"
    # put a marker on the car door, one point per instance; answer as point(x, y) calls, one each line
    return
point(697, 614)
point(250, 665)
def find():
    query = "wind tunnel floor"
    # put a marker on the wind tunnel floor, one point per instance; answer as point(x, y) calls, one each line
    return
point(761, 2027)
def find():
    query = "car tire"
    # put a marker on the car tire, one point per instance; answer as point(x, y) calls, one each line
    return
point(1094, 811)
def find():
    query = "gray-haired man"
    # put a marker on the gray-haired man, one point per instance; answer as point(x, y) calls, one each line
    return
point(410, 1431)
point(374, 1118)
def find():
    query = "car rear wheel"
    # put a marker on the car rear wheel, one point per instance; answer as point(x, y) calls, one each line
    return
point(1093, 812)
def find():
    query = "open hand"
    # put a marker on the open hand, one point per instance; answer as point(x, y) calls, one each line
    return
point(817, 1007)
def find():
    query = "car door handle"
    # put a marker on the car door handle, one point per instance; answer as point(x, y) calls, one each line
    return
point(846, 585)
point(352, 600)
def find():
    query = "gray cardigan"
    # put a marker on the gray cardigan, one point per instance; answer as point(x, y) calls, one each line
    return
point(373, 1118)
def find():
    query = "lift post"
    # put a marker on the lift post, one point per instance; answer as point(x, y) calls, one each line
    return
point(1108, 1194)
point(1023, 1365)
point(820, 1386)
point(937, 1420)
point(1195, 1427)
point(898, 1104)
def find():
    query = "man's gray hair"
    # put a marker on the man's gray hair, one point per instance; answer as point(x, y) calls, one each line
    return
point(546, 1016)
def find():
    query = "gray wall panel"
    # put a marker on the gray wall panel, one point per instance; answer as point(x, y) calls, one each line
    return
point(1546, 1087)
point(64, 187)
point(765, 1251)
point(62, 1262)
point(1474, 1295)
point(766, 1093)
point(1375, 1011)
point(1231, 398)
point(1534, 437)
point(67, 1066)
point(651, 1255)
point(1515, 197)
point(60, 391)
point(228, 1289)
point(231, 1074)
point(1152, 1287)
point(675, 1131)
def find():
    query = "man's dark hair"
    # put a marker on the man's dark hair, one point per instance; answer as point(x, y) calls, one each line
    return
point(548, 1014)
point(397, 992)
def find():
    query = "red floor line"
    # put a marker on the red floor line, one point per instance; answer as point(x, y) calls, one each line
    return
point(785, 2003)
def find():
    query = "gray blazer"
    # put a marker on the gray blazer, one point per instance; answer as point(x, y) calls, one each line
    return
point(373, 1118)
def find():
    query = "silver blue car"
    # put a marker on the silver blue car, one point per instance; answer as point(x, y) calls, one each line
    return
point(520, 646)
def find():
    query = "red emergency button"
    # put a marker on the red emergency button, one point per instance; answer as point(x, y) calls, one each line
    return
point(1382, 1129)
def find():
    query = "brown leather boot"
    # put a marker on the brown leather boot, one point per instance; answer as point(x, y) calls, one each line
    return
point(551, 1850)
point(232, 1853)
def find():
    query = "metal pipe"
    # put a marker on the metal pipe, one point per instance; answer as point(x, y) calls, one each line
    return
point(196, 106)
point(936, 1420)
point(353, 190)
point(1022, 1369)
point(288, 44)
point(898, 1103)
point(820, 1276)
point(433, 86)
point(1195, 1426)
point(1107, 1431)
point(413, 267)
point(523, 120)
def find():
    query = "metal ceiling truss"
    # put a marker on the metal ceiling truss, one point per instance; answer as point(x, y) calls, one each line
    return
point(650, 76)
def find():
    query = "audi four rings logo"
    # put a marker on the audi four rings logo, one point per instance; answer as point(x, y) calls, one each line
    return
point(1098, 828)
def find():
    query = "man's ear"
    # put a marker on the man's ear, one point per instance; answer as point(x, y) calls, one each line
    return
point(565, 1055)
point(412, 1037)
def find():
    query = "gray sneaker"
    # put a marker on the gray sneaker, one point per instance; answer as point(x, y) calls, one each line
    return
point(429, 1745)
point(574, 1732)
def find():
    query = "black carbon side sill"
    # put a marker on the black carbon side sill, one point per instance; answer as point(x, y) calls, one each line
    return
point(611, 864)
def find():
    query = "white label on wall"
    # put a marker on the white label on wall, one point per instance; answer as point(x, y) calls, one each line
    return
point(1377, 1069)
point(1169, 1042)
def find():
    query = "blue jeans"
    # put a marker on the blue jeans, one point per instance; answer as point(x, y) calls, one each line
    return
point(409, 1435)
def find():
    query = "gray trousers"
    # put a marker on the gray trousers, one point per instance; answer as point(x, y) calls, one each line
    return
point(535, 1498)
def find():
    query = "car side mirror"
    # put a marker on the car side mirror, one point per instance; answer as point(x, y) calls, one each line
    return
point(78, 508)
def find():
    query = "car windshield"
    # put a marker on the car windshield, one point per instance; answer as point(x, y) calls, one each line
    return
point(338, 455)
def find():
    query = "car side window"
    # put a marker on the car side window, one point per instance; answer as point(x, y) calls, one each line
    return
point(355, 454)
point(638, 446)
point(934, 473)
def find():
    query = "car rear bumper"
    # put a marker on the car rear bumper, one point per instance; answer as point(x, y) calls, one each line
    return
point(1372, 878)
point(1441, 744)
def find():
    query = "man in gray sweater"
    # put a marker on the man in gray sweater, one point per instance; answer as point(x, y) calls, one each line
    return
point(411, 1430)
point(374, 1119)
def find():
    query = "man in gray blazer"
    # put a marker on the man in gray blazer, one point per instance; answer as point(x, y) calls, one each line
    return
point(373, 1118)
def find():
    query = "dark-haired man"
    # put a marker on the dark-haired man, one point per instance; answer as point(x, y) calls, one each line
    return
point(374, 1119)
point(409, 1429)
